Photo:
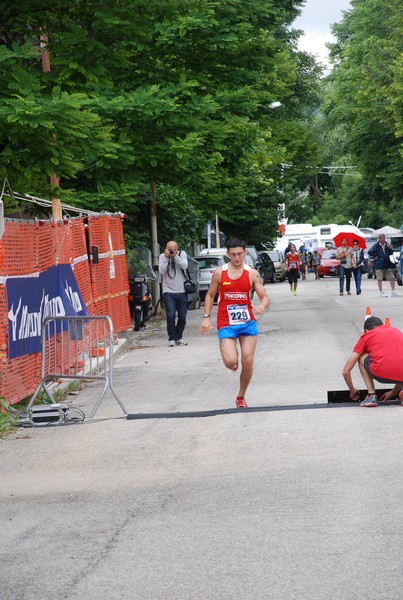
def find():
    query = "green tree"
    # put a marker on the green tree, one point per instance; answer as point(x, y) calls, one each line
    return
point(172, 92)
point(365, 99)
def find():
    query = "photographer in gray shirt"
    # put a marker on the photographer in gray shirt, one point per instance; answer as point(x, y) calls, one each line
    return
point(172, 267)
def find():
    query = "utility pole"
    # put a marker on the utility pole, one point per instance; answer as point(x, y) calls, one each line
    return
point(54, 180)
point(154, 230)
point(154, 241)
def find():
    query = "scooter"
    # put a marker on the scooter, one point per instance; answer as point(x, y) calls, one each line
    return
point(140, 301)
point(141, 273)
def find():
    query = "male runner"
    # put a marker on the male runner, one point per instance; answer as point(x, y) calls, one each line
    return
point(292, 263)
point(236, 315)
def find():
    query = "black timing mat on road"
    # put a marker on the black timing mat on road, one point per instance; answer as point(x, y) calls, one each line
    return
point(224, 411)
point(335, 399)
point(342, 396)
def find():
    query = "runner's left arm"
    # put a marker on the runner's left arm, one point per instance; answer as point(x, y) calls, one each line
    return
point(257, 284)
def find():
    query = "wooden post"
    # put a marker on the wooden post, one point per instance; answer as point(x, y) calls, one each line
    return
point(54, 180)
point(217, 231)
point(154, 241)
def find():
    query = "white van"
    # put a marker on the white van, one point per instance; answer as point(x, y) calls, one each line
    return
point(320, 236)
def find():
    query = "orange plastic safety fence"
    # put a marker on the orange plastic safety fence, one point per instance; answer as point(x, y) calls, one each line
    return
point(120, 283)
point(34, 246)
point(46, 246)
point(109, 277)
point(20, 244)
point(80, 262)
point(1, 255)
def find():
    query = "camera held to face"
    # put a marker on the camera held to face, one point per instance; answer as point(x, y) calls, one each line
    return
point(171, 252)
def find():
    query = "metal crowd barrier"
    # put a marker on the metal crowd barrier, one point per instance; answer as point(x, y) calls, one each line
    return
point(78, 347)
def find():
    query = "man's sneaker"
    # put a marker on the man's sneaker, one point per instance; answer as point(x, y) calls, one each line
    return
point(240, 402)
point(171, 343)
point(383, 295)
point(370, 400)
point(396, 294)
point(295, 292)
point(181, 343)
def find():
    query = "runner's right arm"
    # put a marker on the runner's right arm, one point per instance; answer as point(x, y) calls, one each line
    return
point(209, 301)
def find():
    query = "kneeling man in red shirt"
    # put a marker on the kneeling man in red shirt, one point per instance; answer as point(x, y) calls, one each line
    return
point(379, 354)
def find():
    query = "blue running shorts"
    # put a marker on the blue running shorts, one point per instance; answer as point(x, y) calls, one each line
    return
point(234, 331)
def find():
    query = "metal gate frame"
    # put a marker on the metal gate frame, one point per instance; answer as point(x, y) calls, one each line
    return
point(79, 347)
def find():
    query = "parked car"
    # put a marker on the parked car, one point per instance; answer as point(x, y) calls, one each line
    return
point(368, 266)
point(209, 261)
point(253, 252)
point(213, 251)
point(399, 270)
point(329, 264)
point(207, 265)
point(278, 260)
point(249, 260)
point(267, 269)
point(223, 252)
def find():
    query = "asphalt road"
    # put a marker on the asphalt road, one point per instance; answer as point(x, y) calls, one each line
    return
point(294, 499)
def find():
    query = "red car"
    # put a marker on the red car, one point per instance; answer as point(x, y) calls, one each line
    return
point(329, 264)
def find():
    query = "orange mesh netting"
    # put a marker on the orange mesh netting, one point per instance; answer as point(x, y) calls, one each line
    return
point(31, 247)
point(109, 278)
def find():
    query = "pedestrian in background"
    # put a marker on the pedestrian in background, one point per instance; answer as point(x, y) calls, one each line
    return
point(316, 263)
point(345, 255)
point(303, 261)
point(381, 253)
point(288, 249)
point(358, 261)
point(172, 268)
point(291, 260)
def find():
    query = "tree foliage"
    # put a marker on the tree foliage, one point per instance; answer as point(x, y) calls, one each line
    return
point(175, 92)
point(364, 104)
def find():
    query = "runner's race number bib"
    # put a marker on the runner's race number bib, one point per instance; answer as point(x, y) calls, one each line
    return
point(238, 313)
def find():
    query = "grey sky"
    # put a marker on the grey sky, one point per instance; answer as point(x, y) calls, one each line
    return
point(315, 21)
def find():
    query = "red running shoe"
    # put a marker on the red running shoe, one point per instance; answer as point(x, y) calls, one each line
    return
point(240, 402)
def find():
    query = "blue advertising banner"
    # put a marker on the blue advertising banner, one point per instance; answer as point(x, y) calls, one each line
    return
point(53, 293)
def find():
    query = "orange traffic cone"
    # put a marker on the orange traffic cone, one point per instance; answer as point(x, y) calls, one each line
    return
point(387, 322)
point(367, 312)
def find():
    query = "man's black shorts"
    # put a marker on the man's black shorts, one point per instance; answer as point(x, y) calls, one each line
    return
point(367, 365)
point(292, 276)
